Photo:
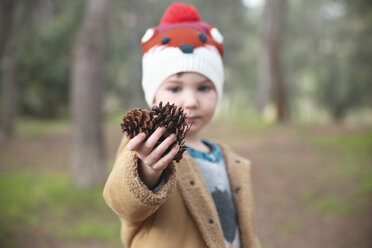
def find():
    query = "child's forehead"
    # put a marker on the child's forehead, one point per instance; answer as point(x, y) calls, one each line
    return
point(187, 78)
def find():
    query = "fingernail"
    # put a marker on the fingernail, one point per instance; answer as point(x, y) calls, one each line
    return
point(176, 147)
point(172, 136)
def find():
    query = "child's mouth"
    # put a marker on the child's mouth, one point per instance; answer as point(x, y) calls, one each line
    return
point(192, 119)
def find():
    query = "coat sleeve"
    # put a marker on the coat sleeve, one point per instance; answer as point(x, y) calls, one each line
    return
point(125, 192)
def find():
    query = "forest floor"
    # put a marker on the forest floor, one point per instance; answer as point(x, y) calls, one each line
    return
point(312, 186)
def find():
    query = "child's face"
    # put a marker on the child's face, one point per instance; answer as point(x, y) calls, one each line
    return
point(193, 92)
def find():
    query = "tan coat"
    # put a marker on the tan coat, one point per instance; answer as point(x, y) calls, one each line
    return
point(182, 213)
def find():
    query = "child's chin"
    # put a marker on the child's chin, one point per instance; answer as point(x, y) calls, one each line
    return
point(194, 129)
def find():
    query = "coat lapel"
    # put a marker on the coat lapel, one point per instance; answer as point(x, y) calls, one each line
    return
point(199, 202)
point(240, 182)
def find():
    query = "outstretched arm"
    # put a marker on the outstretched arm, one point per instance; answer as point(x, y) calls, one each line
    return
point(126, 191)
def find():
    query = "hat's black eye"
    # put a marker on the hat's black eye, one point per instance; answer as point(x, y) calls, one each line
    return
point(202, 37)
point(165, 40)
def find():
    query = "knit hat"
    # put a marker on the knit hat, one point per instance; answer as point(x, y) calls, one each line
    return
point(181, 43)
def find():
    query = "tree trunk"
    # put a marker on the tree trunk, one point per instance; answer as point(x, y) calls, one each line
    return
point(139, 12)
point(12, 17)
point(88, 166)
point(271, 84)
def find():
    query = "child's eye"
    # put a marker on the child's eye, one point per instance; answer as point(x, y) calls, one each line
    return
point(175, 89)
point(204, 88)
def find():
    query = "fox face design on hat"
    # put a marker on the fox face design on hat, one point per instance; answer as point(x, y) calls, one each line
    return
point(181, 43)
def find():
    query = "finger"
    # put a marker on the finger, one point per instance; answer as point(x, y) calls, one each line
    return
point(154, 156)
point(151, 141)
point(164, 161)
point(136, 142)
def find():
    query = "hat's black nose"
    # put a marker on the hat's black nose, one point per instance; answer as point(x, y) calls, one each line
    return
point(187, 48)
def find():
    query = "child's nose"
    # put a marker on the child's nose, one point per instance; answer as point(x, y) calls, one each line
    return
point(190, 100)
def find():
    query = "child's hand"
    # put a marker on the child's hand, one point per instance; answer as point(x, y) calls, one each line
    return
point(151, 162)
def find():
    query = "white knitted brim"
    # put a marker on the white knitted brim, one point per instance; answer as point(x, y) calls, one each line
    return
point(160, 62)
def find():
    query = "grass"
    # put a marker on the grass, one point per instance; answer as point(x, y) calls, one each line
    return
point(292, 226)
point(30, 201)
point(353, 152)
point(329, 203)
point(361, 140)
point(91, 229)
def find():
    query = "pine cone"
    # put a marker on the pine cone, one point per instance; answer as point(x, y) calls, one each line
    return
point(136, 121)
point(172, 118)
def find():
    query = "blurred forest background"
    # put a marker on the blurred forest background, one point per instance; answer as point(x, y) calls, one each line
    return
point(297, 101)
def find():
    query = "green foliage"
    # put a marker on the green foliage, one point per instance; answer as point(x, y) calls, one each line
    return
point(328, 40)
point(44, 60)
point(28, 199)
point(326, 54)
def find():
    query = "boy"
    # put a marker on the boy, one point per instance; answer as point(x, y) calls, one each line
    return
point(206, 199)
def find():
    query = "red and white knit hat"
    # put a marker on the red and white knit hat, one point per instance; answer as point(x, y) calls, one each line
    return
point(181, 43)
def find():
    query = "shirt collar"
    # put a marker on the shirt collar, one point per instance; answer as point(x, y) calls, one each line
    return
point(214, 156)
